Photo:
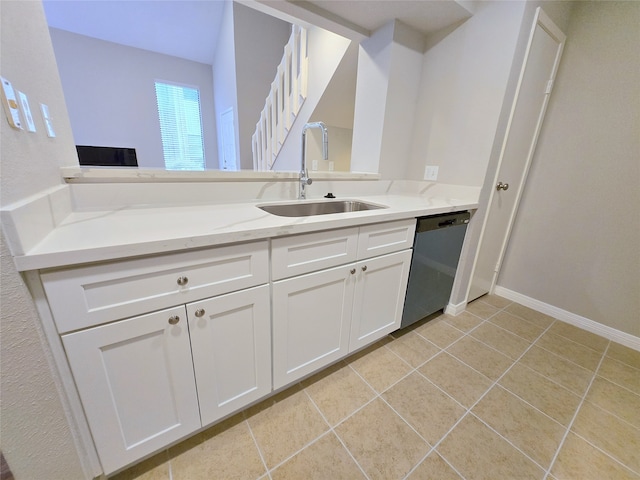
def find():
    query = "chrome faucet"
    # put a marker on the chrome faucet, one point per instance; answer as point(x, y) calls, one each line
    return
point(304, 174)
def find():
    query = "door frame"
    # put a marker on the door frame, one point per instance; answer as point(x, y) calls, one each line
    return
point(544, 21)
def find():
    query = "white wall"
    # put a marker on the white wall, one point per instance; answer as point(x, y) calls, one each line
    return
point(372, 82)
point(325, 51)
point(575, 242)
point(464, 80)
point(110, 94)
point(36, 438)
point(259, 46)
point(339, 149)
point(224, 76)
point(400, 110)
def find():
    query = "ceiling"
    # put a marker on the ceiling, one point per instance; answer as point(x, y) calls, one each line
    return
point(424, 16)
point(189, 28)
point(181, 28)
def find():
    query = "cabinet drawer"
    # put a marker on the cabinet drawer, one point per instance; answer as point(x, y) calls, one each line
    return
point(87, 296)
point(383, 238)
point(309, 252)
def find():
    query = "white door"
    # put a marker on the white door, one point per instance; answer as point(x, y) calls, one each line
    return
point(379, 297)
point(228, 141)
point(532, 95)
point(135, 379)
point(231, 344)
point(311, 315)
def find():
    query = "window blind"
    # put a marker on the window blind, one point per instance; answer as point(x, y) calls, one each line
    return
point(180, 126)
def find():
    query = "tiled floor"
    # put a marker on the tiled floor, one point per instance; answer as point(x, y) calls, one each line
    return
point(499, 392)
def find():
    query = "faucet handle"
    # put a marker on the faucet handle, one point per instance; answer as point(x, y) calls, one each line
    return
point(306, 180)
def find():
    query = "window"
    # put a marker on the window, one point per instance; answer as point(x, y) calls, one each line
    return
point(180, 126)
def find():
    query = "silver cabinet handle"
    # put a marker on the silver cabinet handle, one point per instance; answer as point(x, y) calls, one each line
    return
point(353, 271)
point(502, 186)
point(200, 312)
point(364, 269)
point(174, 320)
point(182, 281)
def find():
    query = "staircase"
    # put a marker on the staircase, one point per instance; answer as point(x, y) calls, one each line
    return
point(288, 93)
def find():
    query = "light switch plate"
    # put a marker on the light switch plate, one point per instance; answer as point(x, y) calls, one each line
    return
point(10, 103)
point(26, 110)
point(47, 120)
point(431, 172)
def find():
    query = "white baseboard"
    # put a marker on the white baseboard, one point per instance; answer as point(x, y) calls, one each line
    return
point(455, 310)
point(592, 326)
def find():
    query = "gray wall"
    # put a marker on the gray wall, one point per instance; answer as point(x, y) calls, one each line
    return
point(36, 438)
point(110, 94)
point(576, 240)
point(259, 45)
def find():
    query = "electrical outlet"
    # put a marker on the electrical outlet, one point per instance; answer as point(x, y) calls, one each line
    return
point(431, 172)
point(314, 165)
point(331, 166)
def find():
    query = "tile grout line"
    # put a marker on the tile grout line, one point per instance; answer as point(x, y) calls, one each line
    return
point(615, 415)
point(170, 466)
point(480, 399)
point(443, 350)
point(255, 441)
point(332, 430)
point(607, 454)
point(555, 382)
point(379, 395)
point(575, 414)
point(637, 394)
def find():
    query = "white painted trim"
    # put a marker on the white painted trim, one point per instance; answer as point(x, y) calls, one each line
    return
point(592, 326)
point(455, 310)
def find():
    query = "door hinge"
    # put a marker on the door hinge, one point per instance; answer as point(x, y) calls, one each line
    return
point(547, 90)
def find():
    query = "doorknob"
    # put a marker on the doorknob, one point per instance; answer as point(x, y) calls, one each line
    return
point(502, 186)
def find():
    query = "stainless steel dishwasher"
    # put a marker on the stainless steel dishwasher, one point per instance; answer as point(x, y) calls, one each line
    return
point(436, 252)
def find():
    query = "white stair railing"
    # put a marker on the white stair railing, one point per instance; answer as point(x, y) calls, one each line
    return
point(288, 92)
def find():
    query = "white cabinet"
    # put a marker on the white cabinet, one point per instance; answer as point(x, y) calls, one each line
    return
point(164, 345)
point(379, 297)
point(231, 343)
point(320, 317)
point(153, 378)
point(135, 380)
point(311, 317)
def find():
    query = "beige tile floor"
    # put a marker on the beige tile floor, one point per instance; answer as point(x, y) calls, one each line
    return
point(499, 392)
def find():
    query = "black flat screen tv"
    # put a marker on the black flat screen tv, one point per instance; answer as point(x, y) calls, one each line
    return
point(106, 156)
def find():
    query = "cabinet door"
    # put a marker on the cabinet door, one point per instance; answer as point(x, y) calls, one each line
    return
point(311, 315)
point(135, 379)
point(379, 297)
point(231, 344)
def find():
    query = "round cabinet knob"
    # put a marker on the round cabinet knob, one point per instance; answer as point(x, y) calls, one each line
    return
point(174, 320)
point(352, 271)
point(502, 186)
point(364, 269)
point(199, 312)
point(182, 281)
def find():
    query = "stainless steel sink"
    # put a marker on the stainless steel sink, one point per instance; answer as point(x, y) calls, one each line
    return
point(318, 208)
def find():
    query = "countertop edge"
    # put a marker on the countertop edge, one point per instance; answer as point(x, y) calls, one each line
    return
point(279, 226)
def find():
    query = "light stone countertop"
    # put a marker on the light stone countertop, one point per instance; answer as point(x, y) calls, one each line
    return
point(92, 236)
